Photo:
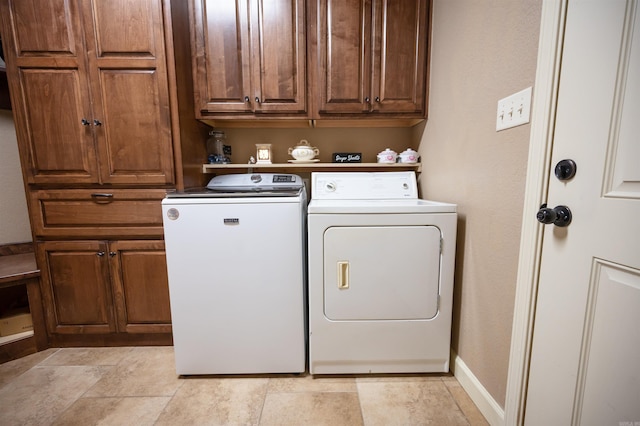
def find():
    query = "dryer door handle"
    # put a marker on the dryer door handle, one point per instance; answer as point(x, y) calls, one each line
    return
point(343, 275)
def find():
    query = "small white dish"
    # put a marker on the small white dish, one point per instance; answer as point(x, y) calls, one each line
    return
point(387, 156)
point(409, 156)
point(315, 160)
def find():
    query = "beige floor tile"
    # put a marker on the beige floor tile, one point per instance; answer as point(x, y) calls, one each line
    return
point(145, 371)
point(309, 383)
point(12, 369)
point(38, 396)
point(311, 408)
point(408, 403)
point(139, 411)
point(472, 413)
point(214, 401)
point(88, 356)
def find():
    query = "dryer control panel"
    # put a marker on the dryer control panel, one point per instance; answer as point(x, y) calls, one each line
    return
point(364, 186)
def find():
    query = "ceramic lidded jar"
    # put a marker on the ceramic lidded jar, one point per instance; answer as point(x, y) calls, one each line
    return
point(409, 156)
point(303, 151)
point(387, 156)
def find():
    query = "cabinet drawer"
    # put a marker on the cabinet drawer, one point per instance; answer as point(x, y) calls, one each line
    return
point(96, 213)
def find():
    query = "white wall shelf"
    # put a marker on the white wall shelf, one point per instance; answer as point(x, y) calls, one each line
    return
point(313, 167)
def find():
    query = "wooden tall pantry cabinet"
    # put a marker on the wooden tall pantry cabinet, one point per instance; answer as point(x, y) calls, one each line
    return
point(93, 87)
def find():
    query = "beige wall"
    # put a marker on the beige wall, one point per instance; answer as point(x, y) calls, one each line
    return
point(14, 218)
point(481, 52)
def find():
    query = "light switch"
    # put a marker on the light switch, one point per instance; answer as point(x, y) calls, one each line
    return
point(514, 110)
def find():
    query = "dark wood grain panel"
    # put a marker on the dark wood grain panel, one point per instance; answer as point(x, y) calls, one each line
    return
point(97, 213)
point(141, 286)
point(75, 286)
point(60, 148)
point(135, 140)
point(249, 58)
point(44, 28)
point(127, 27)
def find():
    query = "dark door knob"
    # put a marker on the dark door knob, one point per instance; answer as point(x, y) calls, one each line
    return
point(565, 169)
point(559, 215)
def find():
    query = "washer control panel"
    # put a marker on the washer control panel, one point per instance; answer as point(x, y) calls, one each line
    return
point(364, 186)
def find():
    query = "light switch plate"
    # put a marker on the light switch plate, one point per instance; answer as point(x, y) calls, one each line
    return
point(514, 110)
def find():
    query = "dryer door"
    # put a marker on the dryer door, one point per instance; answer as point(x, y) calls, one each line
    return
point(381, 272)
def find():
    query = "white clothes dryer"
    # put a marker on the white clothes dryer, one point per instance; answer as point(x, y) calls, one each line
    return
point(381, 265)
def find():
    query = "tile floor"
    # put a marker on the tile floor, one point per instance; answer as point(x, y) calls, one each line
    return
point(138, 386)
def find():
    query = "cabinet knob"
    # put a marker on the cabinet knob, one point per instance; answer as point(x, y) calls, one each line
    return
point(246, 99)
point(85, 122)
point(367, 100)
point(112, 253)
point(377, 98)
point(257, 100)
point(100, 254)
point(97, 123)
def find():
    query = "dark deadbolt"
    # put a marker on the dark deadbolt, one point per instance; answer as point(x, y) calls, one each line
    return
point(565, 169)
point(559, 216)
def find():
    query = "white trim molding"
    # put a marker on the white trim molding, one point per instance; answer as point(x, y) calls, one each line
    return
point(488, 406)
point(538, 169)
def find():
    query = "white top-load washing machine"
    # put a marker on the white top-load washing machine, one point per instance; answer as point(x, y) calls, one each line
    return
point(381, 266)
point(237, 277)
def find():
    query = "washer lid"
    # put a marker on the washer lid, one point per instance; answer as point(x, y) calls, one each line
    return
point(255, 182)
point(364, 186)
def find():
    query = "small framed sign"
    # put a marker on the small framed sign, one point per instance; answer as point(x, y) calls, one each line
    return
point(347, 157)
point(263, 153)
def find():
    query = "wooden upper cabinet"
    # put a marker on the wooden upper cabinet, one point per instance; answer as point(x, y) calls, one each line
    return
point(90, 80)
point(372, 56)
point(250, 57)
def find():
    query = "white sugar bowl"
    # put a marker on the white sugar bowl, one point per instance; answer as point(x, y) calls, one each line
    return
point(303, 151)
point(409, 156)
point(387, 156)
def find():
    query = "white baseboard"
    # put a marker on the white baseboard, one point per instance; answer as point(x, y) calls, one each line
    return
point(489, 408)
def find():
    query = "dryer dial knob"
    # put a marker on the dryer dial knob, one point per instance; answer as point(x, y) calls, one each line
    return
point(330, 186)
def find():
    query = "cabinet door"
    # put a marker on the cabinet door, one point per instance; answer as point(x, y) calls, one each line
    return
point(372, 57)
point(75, 287)
point(141, 286)
point(47, 77)
point(250, 57)
point(278, 47)
point(344, 52)
point(400, 56)
point(222, 58)
point(128, 70)
point(90, 87)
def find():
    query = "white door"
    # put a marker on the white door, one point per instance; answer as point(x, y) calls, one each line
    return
point(381, 272)
point(585, 361)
